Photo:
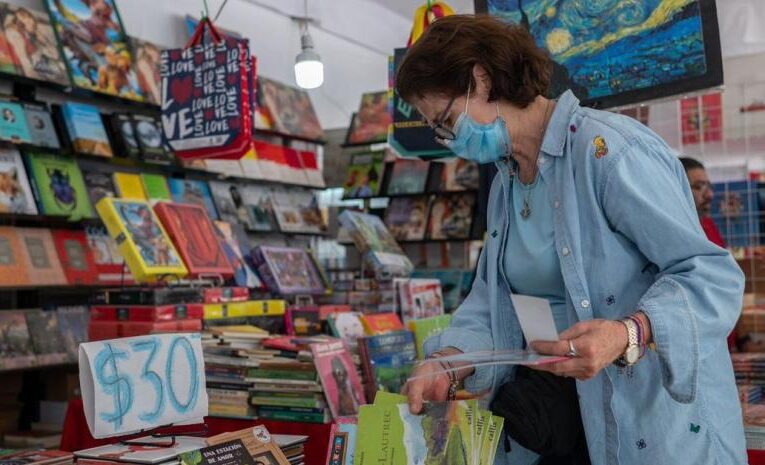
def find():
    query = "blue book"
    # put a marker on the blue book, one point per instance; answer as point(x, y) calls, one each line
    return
point(13, 123)
point(193, 191)
point(86, 129)
point(386, 360)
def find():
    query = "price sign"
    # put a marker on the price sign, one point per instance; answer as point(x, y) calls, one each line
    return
point(139, 383)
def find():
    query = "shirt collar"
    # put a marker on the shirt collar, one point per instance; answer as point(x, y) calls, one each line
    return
point(558, 127)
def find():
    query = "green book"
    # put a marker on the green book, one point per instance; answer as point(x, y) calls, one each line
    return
point(155, 186)
point(59, 186)
point(427, 328)
point(389, 398)
point(294, 416)
point(287, 402)
point(261, 373)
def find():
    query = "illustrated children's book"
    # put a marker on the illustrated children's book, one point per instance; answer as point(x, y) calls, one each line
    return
point(420, 298)
point(347, 326)
point(387, 361)
point(59, 186)
point(426, 328)
point(86, 129)
point(194, 235)
point(338, 376)
point(141, 239)
point(13, 123)
point(155, 187)
point(15, 193)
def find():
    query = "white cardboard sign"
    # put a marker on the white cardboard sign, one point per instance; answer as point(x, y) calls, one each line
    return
point(535, 317)
point(138, 383)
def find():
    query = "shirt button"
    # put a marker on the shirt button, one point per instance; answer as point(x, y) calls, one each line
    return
point(565, 251)
point(556, 204)
point(585, 303)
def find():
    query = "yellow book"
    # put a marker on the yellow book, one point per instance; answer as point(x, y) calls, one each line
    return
point(274, 307)
point(129, 186)
point(141, 239)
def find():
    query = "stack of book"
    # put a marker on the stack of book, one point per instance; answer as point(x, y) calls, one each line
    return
point(293, 447)
point(749, 393)
point(35, 457)
point(749, 367)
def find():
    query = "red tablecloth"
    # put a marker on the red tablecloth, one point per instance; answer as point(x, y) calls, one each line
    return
point(77, 437)
point(756, 457)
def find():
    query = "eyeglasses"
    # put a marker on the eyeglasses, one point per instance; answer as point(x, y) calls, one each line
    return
point(442, 132)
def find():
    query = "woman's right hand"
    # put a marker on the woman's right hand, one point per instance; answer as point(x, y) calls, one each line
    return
point(430, 383)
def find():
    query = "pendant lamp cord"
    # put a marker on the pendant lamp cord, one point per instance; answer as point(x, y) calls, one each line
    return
point(220, 10)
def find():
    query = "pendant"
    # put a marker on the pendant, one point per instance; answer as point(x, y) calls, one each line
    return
point(526, 210)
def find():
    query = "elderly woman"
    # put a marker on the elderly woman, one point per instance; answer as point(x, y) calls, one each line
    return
point(591, 211)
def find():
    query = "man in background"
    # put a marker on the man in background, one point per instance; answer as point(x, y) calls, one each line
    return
point(702, 197)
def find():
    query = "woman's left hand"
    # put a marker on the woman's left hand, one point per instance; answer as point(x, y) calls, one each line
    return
point(597, 342)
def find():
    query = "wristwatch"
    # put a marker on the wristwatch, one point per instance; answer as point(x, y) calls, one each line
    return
point(631, 355)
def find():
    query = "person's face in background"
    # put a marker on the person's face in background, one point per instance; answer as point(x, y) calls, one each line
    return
point(702, 190)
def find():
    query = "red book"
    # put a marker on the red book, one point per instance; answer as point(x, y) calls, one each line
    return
point(326, 310)
point(141, 328)
point(220, 295)
point(192, 232)
point(147, 312)
point(103, 330)
point(76, 257)
point(381, 323)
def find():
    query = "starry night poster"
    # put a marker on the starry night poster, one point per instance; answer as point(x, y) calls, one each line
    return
point(617, 52)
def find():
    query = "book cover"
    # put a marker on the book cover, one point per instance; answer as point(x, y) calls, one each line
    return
point(230, 238)
point(225, 453)
point(60, 188)
point(32, 44)
point(109, 262)
point(193, 191)
point(310, 164)
point(13, 269)
point(141, 239)
point(86, 129)
point(381, 323)
point(407, 217)
point(134, 453)
point(194, 235)
point(451, 216)
point(40, 125)
point(124, 140)
point(148, 133)
point(458, 174)
point(40, 258)
point(257, 201)
point(294, 172)
point(408, 176)
point(229, 203)
point(73, 324)
point(365, 173)
point(46, 337)
point(297, 211)
point(76, 257)
point(15, 192)
point(387, 361)
point(288, 270)
point(302, 321)
point(380, 250)
point(290, 109)
point(13, 123)
point(147, 61)
point(129, 186)
point(99, 183)
point(426, 328)
point(420, 298)
point(16, 349)
point(338, 376)
point(155, 187)
point(38, 457)
point(346, 326)
point(372, 120)
point(455, 284)
point(342, 442)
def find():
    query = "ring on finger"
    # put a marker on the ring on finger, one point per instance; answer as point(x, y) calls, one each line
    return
point(571, 349)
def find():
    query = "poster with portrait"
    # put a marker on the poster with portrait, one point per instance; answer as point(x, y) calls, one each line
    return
point(95, 46)
point(613, 53)
point(290, 109)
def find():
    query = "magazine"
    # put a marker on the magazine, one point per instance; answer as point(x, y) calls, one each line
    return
point(365, 174)
point(407, 217)
point(338, 376)
point(451, 216)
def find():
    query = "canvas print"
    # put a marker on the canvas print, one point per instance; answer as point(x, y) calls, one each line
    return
point(60, 186)
point(370, 124)
point(32, 44)
point(193, 191)
point(16, 349)
point(40, 125)
point(365, 174)
point(46, 337)
point(15, 192)
point(13, 123)
point(451, 216)
point(147, 60)
point(95, 46)
point(458, 174)
point(338, 376)
point(229, 203)
point(290, 109)
point(613, 53)
point(407, 217)
point(257, 201)
point(408, 176)
point(296, 211)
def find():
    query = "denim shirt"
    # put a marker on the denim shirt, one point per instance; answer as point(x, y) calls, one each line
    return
point(628, 239)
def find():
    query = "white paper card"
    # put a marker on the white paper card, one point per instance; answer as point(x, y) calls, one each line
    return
point(536, 318)
point(138, 383)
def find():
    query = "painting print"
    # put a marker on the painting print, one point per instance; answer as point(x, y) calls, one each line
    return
point(152, 244)
point(95, 46)
point(605, 48)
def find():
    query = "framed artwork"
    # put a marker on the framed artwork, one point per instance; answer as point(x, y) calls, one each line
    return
point(290, 109)
point(370, 124)
point(613, 53)
point(95, 46)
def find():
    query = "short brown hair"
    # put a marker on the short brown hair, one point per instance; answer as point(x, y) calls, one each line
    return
point(442, 60)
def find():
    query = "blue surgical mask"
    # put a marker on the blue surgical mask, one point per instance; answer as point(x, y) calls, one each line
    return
point(482, 143)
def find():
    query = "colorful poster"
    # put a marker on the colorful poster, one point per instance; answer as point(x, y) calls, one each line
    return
point(290, 109)
point(95, 46)
point(370, 124)
point(615, 53)
point(32, 44)
point(702, 118)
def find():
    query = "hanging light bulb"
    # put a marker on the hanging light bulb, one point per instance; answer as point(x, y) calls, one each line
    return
point(309, 70)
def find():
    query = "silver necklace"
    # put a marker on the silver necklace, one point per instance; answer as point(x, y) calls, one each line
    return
point(526, 210)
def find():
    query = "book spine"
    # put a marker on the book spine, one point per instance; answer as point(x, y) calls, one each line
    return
point(282, 374)
point(290, 416)
point(285, 402)
point(314, 411)
point(370, 387)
